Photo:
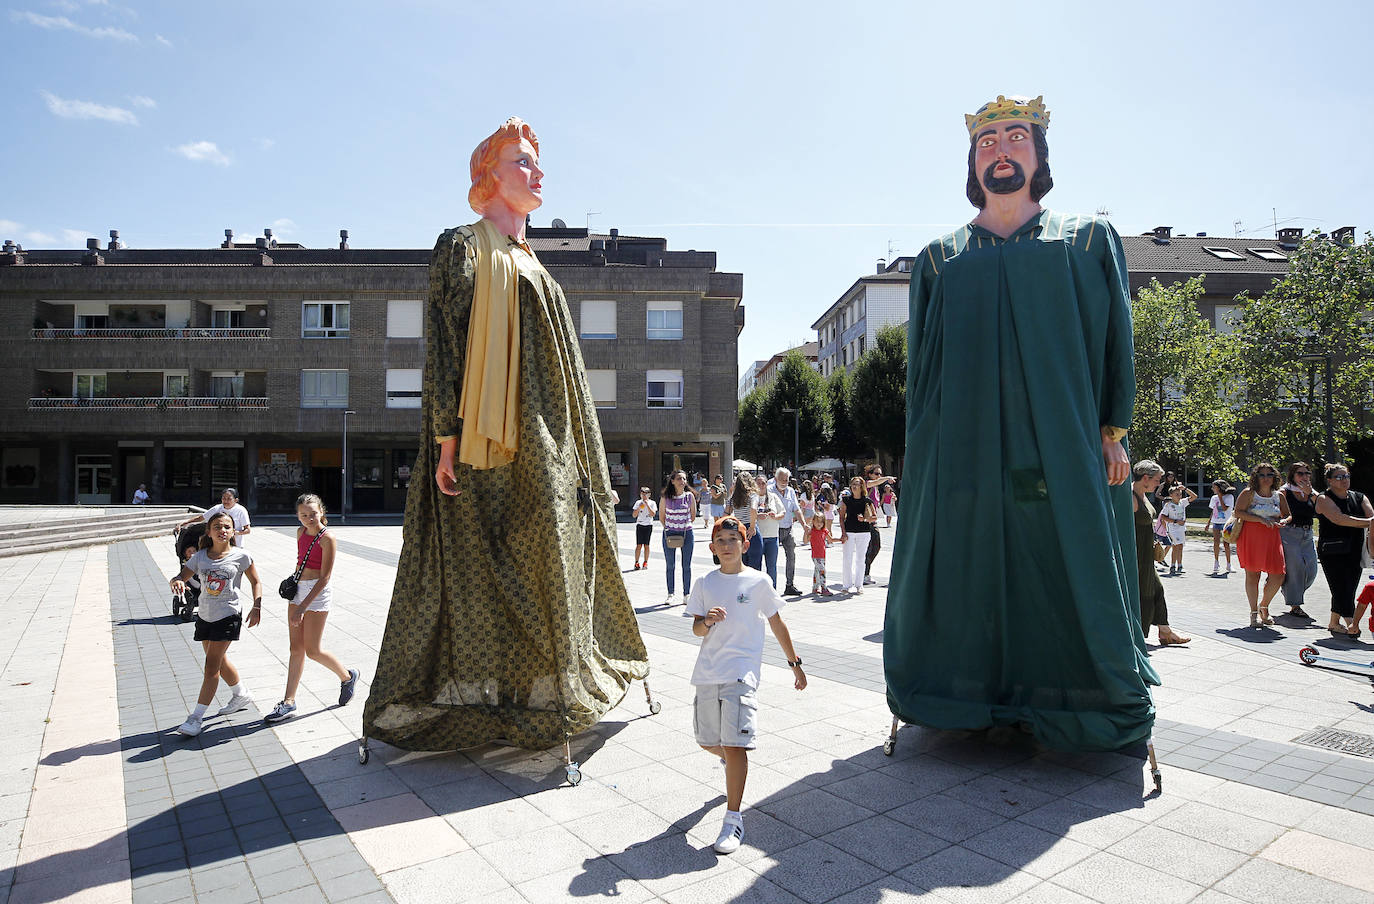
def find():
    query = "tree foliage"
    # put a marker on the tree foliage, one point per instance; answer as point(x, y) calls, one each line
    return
point(1320, 310)
point(798, 385)
point(845, 442)
point(878, 392)
point(749, 442)
point(1184, 387)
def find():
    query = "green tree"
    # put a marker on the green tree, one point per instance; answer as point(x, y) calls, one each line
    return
point(1185, 416)
point(1319, 312)
point(798, 385)
point(878, 392)
point(845, 443)
point(749, 442)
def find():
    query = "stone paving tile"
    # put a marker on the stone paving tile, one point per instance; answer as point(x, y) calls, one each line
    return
point(960, 875)
point(1262, 881)
point(1114, 880)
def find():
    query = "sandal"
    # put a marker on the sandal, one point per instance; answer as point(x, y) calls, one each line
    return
point(1174, 640)
point(1264, 616)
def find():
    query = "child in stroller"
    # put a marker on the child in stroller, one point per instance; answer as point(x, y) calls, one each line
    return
point(187, 542)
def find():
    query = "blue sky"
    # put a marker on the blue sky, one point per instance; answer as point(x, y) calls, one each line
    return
point(797, 140)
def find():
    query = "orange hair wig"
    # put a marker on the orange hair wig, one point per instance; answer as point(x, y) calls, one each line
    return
point(487, 153)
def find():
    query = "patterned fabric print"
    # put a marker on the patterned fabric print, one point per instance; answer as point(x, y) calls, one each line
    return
point(506, 625)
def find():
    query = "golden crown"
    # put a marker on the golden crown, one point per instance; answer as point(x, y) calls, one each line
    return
point(1020, 109)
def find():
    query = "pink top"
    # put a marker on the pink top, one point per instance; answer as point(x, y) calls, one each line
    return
point(303, 542)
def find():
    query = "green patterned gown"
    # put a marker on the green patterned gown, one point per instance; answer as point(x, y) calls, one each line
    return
point(1014, 591)
point(509, 618)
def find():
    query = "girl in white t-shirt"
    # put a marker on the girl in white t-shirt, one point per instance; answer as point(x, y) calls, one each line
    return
point(646, 513)
point(1222, 502)
point(1174, 515)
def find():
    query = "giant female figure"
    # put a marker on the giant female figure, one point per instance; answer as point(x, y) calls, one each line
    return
point(503, 628)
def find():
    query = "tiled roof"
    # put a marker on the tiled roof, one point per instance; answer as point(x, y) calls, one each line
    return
point(1188, 254)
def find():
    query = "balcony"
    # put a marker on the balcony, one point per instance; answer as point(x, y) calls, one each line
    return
point(159, 403)
point(257, 332)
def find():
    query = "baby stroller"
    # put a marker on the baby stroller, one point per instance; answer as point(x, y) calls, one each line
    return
point(187, 542)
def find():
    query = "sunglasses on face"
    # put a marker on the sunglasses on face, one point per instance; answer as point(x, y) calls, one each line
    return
point(1340, 476)
point(1268, 474)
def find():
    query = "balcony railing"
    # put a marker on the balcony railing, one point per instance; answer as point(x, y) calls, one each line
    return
point(161, 403)
point(215, 332)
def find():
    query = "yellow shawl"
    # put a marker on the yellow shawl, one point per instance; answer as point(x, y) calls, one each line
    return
point(490, 402)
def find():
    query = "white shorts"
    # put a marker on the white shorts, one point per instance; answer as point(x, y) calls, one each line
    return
point(1176, 533)
point(725, 715)
point(319, 603)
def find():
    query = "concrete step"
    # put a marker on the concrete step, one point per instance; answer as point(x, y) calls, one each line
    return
point(90, 529)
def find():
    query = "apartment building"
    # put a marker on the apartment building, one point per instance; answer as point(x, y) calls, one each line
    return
point(850, 325)
point(281, 369)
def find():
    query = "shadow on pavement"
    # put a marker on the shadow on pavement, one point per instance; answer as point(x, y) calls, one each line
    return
point(1251, 635)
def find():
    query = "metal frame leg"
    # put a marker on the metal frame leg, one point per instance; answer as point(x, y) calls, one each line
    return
point(891, 743)
point(1154, 766)
point(654, 706)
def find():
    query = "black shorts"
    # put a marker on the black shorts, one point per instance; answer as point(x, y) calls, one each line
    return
point(225, 629)
point(643, 534)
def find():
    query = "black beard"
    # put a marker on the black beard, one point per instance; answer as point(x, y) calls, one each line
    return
point(1005, 185)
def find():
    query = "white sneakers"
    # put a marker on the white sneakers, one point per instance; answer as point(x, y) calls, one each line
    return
point(190, 728)
point(671, 600)
point(236, 703)
point(731, 834)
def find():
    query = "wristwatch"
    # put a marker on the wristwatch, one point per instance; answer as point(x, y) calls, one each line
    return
point(794, 664)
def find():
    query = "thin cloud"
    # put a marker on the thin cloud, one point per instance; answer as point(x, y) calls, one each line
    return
point(266, 144)
point(84, 109)
point(163, 41)
point(77, 236)
point(40, 237)
point(202, 152)
point(9, 228)
point(62, 23)
point(141, 100)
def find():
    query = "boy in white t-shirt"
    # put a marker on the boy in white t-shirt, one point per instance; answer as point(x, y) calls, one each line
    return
point(729, 607)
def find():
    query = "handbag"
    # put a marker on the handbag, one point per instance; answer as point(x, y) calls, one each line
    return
point(674, 539)
point(1231, 532)
point(288, 587)
point(1160, 553)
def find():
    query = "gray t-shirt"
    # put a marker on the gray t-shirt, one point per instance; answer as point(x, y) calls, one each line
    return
point(220, 596)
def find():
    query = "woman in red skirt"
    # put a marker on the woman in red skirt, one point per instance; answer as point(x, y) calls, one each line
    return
point(1263, 509)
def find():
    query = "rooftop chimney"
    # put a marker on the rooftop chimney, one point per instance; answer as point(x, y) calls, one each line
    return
point(1290, 237)
point(343, 239)
point(228, 239)
point(115, 243)
point(1343, 236)
point(262, 243)
point(882, 265)
point(1163, 234)
point(271, 242)
point(92, 256)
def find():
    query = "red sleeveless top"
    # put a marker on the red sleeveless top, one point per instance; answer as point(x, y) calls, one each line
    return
point(316, 555)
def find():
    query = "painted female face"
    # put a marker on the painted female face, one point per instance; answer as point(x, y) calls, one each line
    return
point(518, 177)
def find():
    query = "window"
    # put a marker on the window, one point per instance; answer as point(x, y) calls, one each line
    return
point(402, 462)
point(664, 319)
point(92, 322)
point(1268, 254)
point(324, 320)
point(863, 341)
point(226, 318)
point(602, 383)
point(664, 389)
point(176, 386)
point(403, 388)
point(598, 320)
point(1226, 315)
point(226, 384)
point(1225, 254)
point(324, 389)
point(89, 386)
point(224, 467)
point(183, 468)
point(404, 319)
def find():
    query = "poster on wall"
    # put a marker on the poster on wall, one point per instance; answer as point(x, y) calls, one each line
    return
point(620, 472)
point(279, 469)
point(19, 470)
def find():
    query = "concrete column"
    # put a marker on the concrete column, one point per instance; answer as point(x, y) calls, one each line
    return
point(157, 471)
point(248, 482)
point(66, 472)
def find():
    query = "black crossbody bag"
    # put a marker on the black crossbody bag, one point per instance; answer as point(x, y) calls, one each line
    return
point(289, 586)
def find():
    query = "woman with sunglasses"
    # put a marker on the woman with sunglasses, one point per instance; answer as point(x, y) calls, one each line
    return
point(1264, 510)
point(1344, 515)
point(677, 509)
point(1299, 555)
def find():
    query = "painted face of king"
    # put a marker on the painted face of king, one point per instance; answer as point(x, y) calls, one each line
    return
point(1004, 157)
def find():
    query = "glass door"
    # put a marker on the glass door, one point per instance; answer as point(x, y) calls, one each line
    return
point(94, 479)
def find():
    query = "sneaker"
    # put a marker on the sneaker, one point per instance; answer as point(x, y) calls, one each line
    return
point(671, 600)
point(191, 727)
point(731, 834)
point(280, 713)
point(236, 703)
point(346, 688)
point(1229, 569)
point(789, 590)
point(825, 591)
point(868, 580)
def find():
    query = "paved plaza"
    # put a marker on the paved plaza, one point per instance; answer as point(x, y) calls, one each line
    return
point(101, 801)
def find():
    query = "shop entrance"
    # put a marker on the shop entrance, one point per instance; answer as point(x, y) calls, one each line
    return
point(94, 476)
point(691, 462)
point(326, 477)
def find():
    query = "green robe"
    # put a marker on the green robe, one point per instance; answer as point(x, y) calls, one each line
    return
point(509, 618)
point(1014, 594)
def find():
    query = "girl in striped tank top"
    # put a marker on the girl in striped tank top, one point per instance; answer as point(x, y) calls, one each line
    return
point(677, 509)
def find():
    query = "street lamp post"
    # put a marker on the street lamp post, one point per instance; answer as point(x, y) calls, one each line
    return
point(343, 472)
point(796, 435)
point(1330, 418)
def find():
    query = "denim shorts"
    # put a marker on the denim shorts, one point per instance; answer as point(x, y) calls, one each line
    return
point(725, 715)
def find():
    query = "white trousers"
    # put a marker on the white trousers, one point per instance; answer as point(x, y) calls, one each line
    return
point(855, 547)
